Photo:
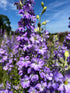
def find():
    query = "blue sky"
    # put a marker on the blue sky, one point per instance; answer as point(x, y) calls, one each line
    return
point(56, 15)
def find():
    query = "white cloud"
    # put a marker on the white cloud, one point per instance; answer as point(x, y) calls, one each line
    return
point(3, 4)
point(47, 21)
point(56, 4)
point(58, 18)
point(12, 6)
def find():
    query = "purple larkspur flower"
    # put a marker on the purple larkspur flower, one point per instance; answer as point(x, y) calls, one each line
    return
point(23, 62)
point(5, 91)
point(54, 85)
point(34, 78)
point(68, 37)
point(5, 68)
point(1, 85)
point(41, 48)
point(58, 76)
point(66, 41)
point(45, 35)
point(16, 87)
point(5, 57)
point(42, 75)
point(25, 82)
point(2, 51)
point(25, 47)
point(20, 72)
point(35, 38)
point(29, 70)
point(46, 73)
point(25, 12)
point(49, 76)
point(27, 20)
point(41, 86)
point(37, 63)
point(33, 18)
point(65, 85)
point(32, 90)
point(8, 85)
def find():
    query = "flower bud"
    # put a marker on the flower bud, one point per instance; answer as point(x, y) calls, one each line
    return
point(44, 23)
point(37, 16)
point(44, 9)
point(42, 4)
point(36, 29)
point(66, 54)
point(21, 3)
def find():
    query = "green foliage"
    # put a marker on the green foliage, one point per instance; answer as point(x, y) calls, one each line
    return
point(1, 73)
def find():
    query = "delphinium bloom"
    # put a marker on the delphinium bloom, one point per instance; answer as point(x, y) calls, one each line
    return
point(41, 86)
point(65, 85)
point(2, 51)
point(24, 62)
point(37, 64)
point(41, 48)
point(66, 42)
point(8, 85)
point(46, 74)
point(5, 91)
point(58, 77)
point(8, 48)
point(25, 13)
point(25, 82)
point(32, 90)
point(54, 83)
point(16, 87)
point(8, 58)
point(28, 16)
point(45, 35)
point(33, 45)
point(35, 38)
point(34, 78)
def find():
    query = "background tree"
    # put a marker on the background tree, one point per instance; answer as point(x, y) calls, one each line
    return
point(5, 24)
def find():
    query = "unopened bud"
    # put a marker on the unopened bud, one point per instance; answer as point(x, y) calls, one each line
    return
point(44, 23)
point(42, 4)
point(21, 3)
point(66, 54)
point(37, 16)
point(44, 9)
point(36, 29)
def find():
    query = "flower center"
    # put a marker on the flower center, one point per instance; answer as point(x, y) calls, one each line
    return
point(40, 47)
point(66, 82)
point(26, 80)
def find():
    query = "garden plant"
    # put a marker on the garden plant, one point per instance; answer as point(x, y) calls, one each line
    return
point(27, 64)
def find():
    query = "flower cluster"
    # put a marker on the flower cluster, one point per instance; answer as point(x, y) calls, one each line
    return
point(27, 22)
point(28, 64)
